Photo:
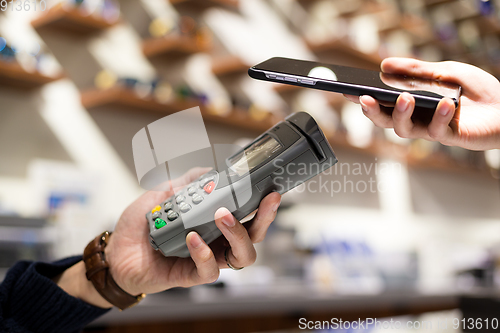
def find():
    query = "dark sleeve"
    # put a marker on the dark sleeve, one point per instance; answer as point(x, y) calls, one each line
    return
point(31, 302)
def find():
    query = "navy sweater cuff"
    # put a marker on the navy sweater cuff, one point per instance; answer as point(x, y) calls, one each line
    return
point(31, 301)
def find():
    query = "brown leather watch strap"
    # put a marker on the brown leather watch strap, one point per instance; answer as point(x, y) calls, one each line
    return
point(98, 272)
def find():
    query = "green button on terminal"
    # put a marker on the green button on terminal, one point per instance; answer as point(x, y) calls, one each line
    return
point(159, 223)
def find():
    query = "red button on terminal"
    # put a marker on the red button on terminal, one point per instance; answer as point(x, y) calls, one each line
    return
point(209, 187)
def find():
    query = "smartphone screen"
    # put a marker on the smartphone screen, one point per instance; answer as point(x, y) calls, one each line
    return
point(355, 81)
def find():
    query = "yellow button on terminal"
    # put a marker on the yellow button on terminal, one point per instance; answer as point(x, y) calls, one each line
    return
point(156, 209)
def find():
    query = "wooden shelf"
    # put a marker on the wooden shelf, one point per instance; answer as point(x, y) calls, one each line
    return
point(368, 7)
point(230, 65)
point(285, 88)
point(232, 4)
point(123, 97)
point(70, 20)
point(13, 75)
point(240, 119)
point(430, 3)
point(334, 99)
point(341, 46)
point(173, 45)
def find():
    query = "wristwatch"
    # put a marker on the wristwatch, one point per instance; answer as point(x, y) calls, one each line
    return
point(97, 271)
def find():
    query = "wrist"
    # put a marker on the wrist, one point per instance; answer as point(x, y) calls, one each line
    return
point(74, 282)
point(98, 272)
point(116, 271)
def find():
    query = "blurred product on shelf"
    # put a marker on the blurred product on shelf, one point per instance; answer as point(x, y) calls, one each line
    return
point(240, 103)
point(486, 7)
point(34, 59)
point(7, 53)
point(257, 113)
point(163, 92)
point(352, 266)
point(469, 35)
point(421, 149)
point(183, 26)
point(159, 27)
point(105, 80)
point(159, 90)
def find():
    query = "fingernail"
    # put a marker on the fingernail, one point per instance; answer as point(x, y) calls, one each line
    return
point(276, 206)
point(228, 220)
point(195, 240)
point(403, 105)
point(444, 111)
point(363, 105)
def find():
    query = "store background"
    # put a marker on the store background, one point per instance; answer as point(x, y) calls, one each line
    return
point(80, 78)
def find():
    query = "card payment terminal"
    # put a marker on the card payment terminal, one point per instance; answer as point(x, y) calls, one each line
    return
point(285, 156)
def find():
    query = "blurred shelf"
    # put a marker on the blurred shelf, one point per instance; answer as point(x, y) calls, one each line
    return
point(334, 99)
point(369, 8)
point(430, 3)
point(341, 46)
point(21, 222)
point(173, 45)
point(13, 75)
point(230, 65)
point(70, 20)
point(285, 88)
point(233, 4)
point(417, 27)
point(123, 97)
point(365, 8)
point(240, 119)
point(126, 98)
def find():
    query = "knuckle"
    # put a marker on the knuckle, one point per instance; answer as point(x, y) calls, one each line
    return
point(212, 277)
point(186, 284)
point(434, 134)
point(259, 238)
point(401, 132)
point(252, 258)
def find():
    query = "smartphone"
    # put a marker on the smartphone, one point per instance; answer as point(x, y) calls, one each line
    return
point(385, 88)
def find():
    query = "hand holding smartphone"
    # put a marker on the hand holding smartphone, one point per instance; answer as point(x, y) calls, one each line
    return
point(385, 88)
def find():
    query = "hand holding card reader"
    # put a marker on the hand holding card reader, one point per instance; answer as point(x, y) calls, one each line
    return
point(285, 156)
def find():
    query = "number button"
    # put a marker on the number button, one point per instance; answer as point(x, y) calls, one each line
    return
point(156, 215)
point(191, 190)
point(184, 207)
point(159, 223)
point(197, 199)
point(171, 215)
point(168, 206)
point(180, 198)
